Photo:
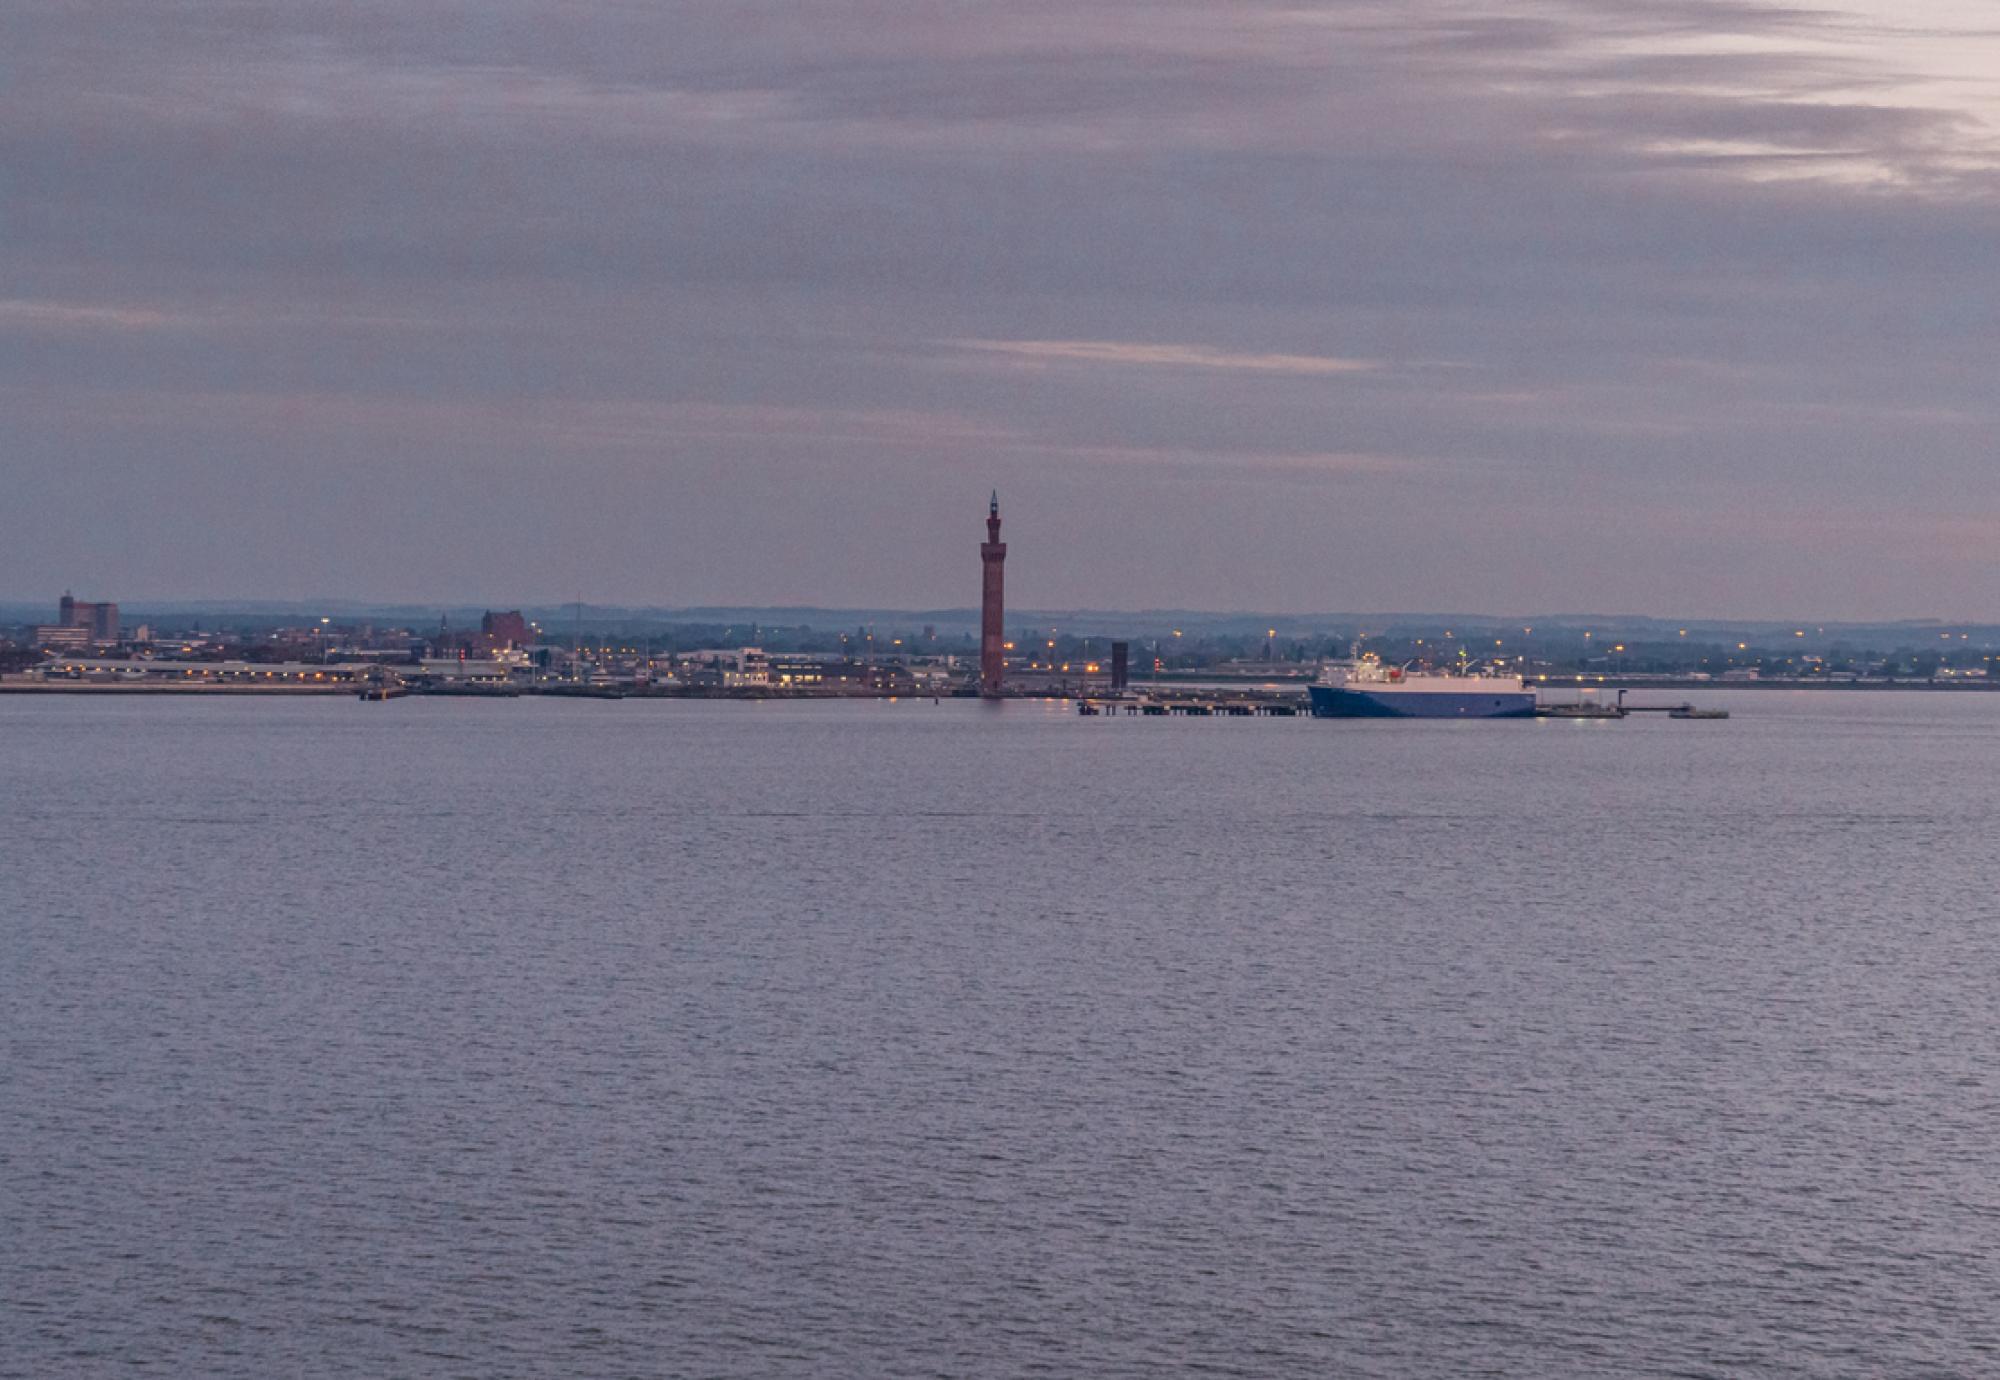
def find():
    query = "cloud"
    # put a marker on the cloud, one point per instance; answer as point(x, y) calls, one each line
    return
point(1212, 466)
point(712, 270)
point(1139, 354)
point(81, 316)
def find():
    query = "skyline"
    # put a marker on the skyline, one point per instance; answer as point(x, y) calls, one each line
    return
point(964, 620)
point(1284, 308)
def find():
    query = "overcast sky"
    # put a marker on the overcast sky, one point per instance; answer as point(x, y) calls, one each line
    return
point(1676, 307)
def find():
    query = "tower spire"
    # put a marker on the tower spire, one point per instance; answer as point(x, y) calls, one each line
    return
point(992, 607)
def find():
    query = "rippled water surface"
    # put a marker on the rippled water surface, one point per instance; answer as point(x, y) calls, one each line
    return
point(539, 1039)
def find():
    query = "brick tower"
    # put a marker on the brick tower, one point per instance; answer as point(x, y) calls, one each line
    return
point(992, 640)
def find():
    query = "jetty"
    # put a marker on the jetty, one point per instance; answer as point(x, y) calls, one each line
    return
point(1194, 704)
point(1282, 704)
point(1589, 706)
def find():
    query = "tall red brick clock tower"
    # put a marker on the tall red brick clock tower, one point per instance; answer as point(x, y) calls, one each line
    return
point(992, 604)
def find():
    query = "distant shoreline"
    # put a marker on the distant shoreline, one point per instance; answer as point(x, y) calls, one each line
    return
point(1682, 683)
point(85, 688)
point(1169, 687)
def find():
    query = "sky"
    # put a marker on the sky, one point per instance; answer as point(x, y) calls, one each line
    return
point(1689, 307)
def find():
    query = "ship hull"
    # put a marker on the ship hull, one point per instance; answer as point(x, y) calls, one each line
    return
point(1338, 702)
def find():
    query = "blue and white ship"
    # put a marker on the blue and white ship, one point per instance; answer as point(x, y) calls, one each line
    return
point(1364, 688)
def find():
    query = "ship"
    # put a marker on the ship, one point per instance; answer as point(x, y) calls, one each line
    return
point(1365, 688)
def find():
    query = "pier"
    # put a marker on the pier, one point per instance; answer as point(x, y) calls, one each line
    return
point(1284, 705)
point(1589, 706)
point(1197, 705)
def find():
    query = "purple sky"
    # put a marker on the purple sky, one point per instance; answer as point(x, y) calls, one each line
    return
point(1683, 307)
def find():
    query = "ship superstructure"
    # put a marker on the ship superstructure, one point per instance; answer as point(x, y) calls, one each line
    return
point(1364, 687)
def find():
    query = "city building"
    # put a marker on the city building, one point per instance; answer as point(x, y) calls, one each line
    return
point(99, 621)
point(507, 629)
point(992, 605)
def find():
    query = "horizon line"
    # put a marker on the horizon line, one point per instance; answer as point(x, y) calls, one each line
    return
point(971, 612)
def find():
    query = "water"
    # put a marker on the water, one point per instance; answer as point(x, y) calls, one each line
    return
point(535, 1038)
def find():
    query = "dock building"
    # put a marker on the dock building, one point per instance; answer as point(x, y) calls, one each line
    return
point(161, 672)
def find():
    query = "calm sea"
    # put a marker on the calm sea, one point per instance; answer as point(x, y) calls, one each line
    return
point(531, 1039)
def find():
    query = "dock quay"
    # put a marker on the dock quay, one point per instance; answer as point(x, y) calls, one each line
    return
point(1286, 705)
point(1196, 705)
point(1591, 706)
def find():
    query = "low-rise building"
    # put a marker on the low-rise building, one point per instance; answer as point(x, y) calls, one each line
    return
point(733, 668)
point(158, 671)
